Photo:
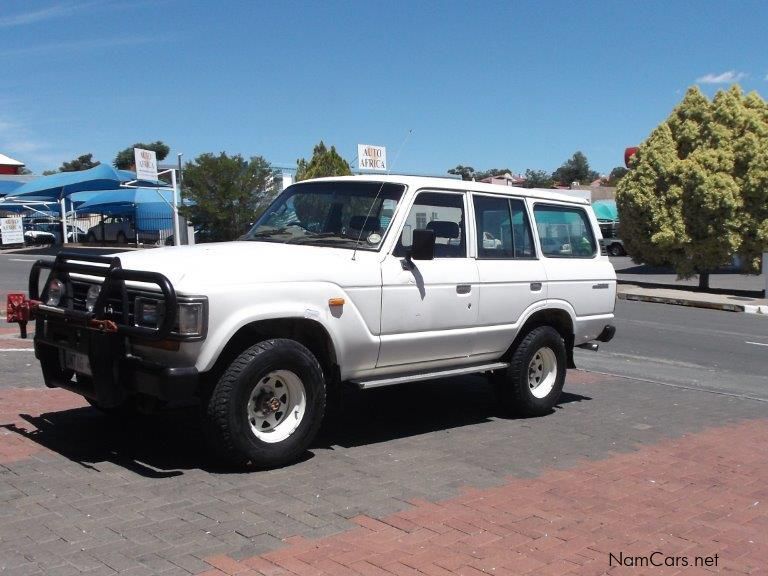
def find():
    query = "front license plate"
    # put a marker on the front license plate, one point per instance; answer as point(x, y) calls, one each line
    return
point(77, 361)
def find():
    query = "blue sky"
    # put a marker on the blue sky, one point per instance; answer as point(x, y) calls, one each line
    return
point(517, 84)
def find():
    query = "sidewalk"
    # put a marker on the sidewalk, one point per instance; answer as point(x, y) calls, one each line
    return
point(679, 297)
point(729, 290)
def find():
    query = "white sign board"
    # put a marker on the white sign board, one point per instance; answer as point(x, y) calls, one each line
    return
point(146, 164)
point(371, 157)
point(12, 230)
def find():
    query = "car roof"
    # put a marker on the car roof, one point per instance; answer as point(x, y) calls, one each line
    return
point(418, 182)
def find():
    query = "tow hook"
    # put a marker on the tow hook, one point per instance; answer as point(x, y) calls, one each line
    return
point(19, 309)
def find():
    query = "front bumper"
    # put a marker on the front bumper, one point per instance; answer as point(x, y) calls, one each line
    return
point(114, 375)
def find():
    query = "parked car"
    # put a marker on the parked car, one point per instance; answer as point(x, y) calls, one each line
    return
point(369, 281)
point(118, 229)
point(41, 234)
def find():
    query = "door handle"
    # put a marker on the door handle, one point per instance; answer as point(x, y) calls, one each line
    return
point(535, 286)
point(463, 288)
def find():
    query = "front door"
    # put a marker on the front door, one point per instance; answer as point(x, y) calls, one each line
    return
point(429, 310)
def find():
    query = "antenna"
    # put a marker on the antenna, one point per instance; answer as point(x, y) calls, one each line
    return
point(387, 173)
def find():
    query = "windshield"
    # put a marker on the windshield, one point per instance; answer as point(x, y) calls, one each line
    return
point(341, 214)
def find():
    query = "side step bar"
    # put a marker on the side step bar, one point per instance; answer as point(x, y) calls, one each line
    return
point(377, 382)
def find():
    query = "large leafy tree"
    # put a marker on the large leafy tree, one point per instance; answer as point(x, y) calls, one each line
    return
point(228, 192)
point(697, 191)
point(575, 169)
point(466, 172)
point(616, 175)
point(324, 162)
point(538, 179)
point(125, 158)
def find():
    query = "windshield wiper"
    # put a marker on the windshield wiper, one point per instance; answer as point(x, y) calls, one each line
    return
point(265, 233)
point(320, 235)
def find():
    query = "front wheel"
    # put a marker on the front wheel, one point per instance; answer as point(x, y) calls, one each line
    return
point(532, 383)
point(268, 406)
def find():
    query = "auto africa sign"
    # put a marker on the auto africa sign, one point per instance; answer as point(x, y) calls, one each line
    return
point(371, 157)
point(146, 164)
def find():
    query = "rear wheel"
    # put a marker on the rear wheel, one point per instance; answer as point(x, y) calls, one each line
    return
point(268, 406)
point(532, 383)
point(616, 250)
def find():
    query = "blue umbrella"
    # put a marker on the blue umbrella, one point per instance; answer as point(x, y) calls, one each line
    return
point(62, 184)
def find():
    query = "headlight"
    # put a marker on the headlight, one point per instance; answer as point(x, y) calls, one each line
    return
point(55, 292)
point(148, 312)
point(190, 316)
point(92, 296)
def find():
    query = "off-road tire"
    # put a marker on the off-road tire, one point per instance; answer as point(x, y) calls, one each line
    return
point(228, 430)
point(513, 387)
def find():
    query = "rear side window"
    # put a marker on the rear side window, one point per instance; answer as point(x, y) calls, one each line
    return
point(564, 232)
point(503, 231)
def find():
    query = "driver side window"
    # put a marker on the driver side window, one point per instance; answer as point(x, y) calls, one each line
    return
point(443, 213)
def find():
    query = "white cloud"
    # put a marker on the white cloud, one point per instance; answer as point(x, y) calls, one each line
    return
point(728, 77)
point(18, 142)
point(91, 44)
point(35, 16)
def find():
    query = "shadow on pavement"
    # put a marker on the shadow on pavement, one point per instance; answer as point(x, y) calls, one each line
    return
point(167, 444)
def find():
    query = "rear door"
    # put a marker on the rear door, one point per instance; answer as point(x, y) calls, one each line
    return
point(512, 278)
point(576, 272)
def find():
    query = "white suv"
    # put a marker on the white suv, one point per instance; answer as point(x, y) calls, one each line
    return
point(364, 280)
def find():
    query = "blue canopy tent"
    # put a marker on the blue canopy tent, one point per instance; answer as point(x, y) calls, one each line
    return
point(8, 186)
point(60, 186)
point(63, 184)
point(150, 208)
point(605, 209)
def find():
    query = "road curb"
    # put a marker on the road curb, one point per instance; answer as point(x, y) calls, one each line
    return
point(681, 301)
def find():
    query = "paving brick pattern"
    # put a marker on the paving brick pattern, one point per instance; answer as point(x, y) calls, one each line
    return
point(696, 500)
point(84, 493)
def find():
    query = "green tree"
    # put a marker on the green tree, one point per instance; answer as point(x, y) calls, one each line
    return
point(616, 175)
point(228, 192)
point(83, 162)
point(697, 191)
point(125, 159)
point(575, 169)
point(324, 162)
point(466, 172)
point(469, 173)
point(538, 179)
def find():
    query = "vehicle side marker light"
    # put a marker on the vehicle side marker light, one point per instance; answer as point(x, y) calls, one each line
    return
point(336, 302)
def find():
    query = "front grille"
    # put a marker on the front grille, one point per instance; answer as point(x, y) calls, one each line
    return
point(114, 306)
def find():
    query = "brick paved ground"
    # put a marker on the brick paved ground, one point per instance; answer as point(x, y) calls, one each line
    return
point(417, 479)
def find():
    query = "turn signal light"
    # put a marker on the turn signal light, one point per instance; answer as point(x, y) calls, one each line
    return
point(336, 302)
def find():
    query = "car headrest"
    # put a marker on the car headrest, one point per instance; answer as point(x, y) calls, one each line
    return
point(366, 224)
point(444, 229)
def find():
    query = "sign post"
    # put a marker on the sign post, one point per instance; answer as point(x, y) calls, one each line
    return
point(371, 157)
point(146, 169)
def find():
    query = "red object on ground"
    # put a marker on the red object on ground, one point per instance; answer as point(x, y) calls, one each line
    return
point(17, 310)
point(628, 153)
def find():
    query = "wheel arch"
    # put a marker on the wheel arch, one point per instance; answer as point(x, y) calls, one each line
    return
point(308, 332)
point(559, 318)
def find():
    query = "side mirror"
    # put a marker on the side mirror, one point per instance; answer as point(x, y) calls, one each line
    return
point(423, 247)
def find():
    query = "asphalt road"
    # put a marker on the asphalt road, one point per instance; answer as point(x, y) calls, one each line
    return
point(726, 352)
